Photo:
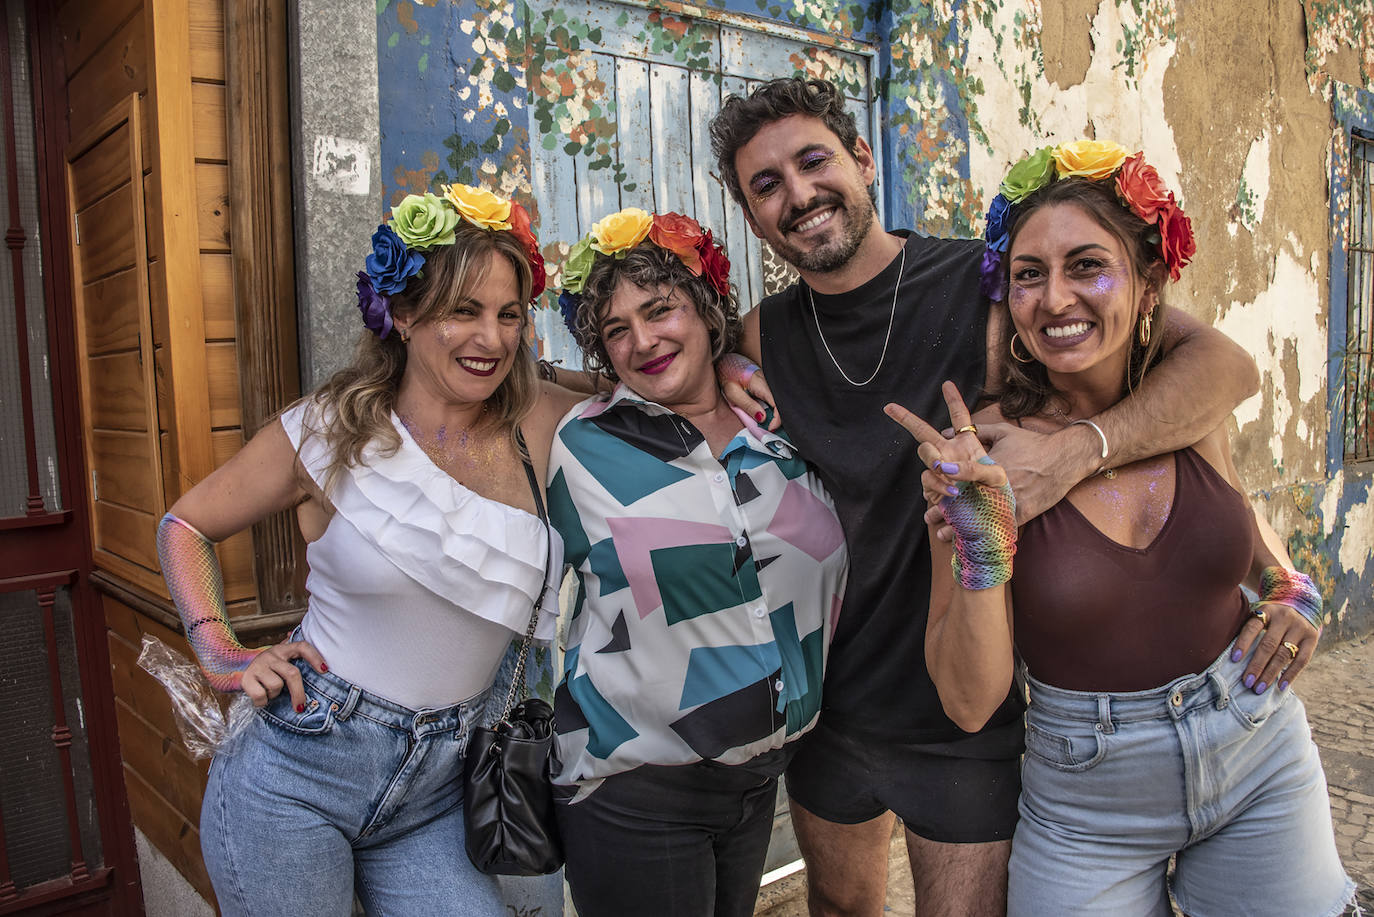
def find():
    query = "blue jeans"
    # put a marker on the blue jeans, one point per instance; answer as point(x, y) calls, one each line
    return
point(1113, 785)
point(356, 788)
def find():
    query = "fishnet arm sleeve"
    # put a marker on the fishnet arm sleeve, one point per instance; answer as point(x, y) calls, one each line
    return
point(193, 575)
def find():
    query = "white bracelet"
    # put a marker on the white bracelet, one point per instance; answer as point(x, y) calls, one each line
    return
point(1101, 435)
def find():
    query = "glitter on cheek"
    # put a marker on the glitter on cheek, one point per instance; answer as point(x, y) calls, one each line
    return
point(1105, 284)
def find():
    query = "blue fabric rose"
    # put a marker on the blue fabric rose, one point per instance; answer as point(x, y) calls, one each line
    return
point(375, 307)
point(391, 263)
point(568, 304)
point(996, 233)
point(990, 281)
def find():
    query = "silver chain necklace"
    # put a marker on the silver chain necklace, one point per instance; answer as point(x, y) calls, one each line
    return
point(901, 268)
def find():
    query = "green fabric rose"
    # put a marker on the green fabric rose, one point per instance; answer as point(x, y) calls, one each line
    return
point(578, 264)
point(1029, 175)
point(424, 221)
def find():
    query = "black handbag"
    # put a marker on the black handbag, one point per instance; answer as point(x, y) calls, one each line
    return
point(507, 774)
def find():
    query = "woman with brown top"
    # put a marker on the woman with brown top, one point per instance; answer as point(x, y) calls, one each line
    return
point(1151, 733)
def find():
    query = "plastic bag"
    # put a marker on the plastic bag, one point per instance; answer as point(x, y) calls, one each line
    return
point(206, 730)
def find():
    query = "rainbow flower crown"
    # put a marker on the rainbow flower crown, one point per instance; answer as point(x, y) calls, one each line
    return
point(1138, 187)
point(422, 222)
point(615, 235)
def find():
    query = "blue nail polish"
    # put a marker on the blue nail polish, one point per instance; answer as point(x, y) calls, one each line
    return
point(1236, 654)
point(948, 468)
point(1249, 680)
point(1259, 688)
point(1283, 686)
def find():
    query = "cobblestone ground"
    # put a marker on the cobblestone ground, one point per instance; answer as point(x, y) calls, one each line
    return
point(1338, 690)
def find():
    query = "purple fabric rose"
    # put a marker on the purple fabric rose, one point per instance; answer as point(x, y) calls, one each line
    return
point(568, 304)
point(391, 263)
point(990, 281)
point(375, 307)
point(996, 233)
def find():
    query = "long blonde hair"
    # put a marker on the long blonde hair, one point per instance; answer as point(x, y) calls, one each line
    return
point(357, 401)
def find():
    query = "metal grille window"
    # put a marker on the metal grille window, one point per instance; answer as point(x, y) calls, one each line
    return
point(1358, 377)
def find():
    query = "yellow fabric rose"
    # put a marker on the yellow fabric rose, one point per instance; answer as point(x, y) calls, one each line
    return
point(621, 231)
point(1095, 159)
point(479, 206)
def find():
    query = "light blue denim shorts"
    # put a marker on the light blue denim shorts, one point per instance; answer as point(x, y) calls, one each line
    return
point(354, 788)
point(1113, 785)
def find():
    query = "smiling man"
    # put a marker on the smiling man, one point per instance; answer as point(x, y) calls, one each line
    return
point(881, 317)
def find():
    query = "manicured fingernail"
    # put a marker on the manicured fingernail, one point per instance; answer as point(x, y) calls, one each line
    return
point(1259, 688)
point(1236, 654)
point(324, 667)
point(300, 708)
point(758, 417)
point(946, 467)
point(952, 491)
point(1283, 686)
point(1249, 680)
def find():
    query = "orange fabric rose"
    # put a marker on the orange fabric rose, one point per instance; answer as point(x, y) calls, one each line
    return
point(1140, 186)
point(678, 234)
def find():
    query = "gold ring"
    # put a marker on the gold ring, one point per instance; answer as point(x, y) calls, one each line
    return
point(967, 428)
point(1291, 647)
point(1263, 616)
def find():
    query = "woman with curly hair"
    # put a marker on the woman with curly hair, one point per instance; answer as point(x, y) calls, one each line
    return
point(710, 566)
point(1160, 726)
point(422, 513)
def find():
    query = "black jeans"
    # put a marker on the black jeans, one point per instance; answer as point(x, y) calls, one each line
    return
point(685, 841)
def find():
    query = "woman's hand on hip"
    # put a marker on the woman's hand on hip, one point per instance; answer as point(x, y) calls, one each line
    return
point(273, 669)
point(1275, 661)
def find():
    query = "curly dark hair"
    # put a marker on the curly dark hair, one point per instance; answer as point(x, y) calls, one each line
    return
point(741, 118)
point(1025, 387)
point(649, 266)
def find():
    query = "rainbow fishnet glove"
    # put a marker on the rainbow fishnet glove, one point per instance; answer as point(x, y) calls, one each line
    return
point(735, 367)
point(192, 572)
point(984, 523)
point(1291, 588)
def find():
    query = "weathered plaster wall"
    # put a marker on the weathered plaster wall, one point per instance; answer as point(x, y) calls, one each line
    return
point(1243, 107)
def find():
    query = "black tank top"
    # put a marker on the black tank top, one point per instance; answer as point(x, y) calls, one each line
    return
point(876, 681)
point(1094, 615)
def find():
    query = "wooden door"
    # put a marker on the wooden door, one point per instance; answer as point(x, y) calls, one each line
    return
point(65, 839)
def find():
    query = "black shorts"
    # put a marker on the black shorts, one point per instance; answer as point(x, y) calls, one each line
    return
point(938, 793)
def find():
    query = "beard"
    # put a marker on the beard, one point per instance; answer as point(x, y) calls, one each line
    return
point(855, 220)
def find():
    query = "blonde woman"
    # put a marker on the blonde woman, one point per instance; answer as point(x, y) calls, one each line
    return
point(418, 501)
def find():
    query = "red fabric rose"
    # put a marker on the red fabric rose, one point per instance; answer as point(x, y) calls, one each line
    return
point(714, 264)
point(1140, 186)
point(680, 235)
point(520, 228)
point(1177, 244)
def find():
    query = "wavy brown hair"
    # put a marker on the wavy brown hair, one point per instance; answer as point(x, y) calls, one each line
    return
point(357, 401)
point(648, 266)
point(1025, 387)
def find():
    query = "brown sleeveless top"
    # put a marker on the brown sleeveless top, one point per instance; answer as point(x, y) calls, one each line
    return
point(1094, 615)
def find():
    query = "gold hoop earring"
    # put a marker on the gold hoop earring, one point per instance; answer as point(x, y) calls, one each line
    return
point(1012, 348)
point(1143, 331)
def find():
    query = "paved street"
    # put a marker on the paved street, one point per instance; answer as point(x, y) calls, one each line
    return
point(1338, 689)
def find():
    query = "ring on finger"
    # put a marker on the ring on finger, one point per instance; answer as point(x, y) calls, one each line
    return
point(1291, 647)
point(967, 428)
point(1263, 616)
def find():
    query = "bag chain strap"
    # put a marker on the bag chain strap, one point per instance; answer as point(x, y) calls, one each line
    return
point(518, 682)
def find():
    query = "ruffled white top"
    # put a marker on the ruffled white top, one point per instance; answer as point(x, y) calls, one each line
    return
point(417, 583)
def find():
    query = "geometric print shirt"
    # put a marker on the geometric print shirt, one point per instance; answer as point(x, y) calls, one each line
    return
point(707, 590)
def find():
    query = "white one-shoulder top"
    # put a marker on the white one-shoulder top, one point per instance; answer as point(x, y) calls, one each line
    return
point(418, 585)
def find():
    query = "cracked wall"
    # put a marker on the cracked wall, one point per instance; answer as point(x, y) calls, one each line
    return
point(1244, 107)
